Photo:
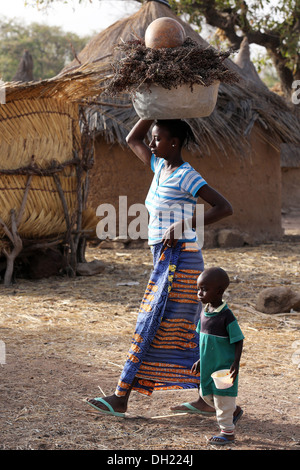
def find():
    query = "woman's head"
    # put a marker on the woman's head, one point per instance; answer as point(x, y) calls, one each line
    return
point(177, 129)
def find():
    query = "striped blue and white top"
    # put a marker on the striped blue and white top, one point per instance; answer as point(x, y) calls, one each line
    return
point(172, 200)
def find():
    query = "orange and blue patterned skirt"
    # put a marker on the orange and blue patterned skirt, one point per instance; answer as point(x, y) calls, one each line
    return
point(165, 344)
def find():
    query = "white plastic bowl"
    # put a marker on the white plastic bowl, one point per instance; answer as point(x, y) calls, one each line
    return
point(222, 378)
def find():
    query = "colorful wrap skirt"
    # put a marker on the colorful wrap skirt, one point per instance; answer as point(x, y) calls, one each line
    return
point(165, 343)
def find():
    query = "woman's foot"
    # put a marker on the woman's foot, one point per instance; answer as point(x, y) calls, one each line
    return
point(118, 404)
point(200, 405)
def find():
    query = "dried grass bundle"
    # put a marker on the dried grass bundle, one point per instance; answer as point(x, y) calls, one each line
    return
point(44, 128)
point(168, 67)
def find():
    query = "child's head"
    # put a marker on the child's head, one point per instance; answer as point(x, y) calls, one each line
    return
point(211, 285)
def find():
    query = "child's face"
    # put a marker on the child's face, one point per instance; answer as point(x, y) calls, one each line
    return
point(208, 292)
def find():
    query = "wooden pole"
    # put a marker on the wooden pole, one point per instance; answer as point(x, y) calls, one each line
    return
point(14, 236)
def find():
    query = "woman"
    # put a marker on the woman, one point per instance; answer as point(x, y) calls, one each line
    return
point(165, 343)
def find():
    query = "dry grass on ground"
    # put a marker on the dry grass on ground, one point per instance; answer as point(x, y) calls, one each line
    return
point(66, 339)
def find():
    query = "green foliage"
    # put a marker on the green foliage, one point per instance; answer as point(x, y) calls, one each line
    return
point(265, 69)
point(51, 48)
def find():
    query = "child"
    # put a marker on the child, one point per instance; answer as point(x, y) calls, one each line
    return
point(221, 343)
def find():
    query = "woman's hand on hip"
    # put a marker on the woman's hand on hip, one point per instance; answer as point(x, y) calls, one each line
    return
point(172, 235)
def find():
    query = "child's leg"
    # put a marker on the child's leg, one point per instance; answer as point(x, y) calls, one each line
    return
point(225, 407)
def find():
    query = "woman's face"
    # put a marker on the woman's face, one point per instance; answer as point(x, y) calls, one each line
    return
point(161, 143)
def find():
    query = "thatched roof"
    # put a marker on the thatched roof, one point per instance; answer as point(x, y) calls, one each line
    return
point(41, 144)
point(239, 106)
point(77, 85)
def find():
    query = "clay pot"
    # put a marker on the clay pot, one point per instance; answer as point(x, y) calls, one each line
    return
point(164, 32)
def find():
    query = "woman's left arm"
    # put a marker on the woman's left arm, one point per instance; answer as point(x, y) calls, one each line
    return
point(220, 207)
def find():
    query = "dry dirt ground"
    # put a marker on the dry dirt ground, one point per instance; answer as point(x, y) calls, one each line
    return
point(66, 339)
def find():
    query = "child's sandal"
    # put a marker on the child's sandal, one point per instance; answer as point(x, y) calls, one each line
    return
point(220, 440)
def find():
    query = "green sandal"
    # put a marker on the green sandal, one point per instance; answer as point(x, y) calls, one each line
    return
point(110, 410)
point(192, 410)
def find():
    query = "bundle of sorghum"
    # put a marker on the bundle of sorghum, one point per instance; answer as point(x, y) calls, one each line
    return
point(189, 64)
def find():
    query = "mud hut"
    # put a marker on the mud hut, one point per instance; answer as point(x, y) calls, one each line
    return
point(290, 167)
point(44, 165)
point(238, 149)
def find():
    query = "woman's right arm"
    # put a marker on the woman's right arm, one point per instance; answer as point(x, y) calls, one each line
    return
point(135, 140)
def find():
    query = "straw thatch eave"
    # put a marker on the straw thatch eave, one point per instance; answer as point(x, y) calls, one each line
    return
point(77, 85)
point(239, 106)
